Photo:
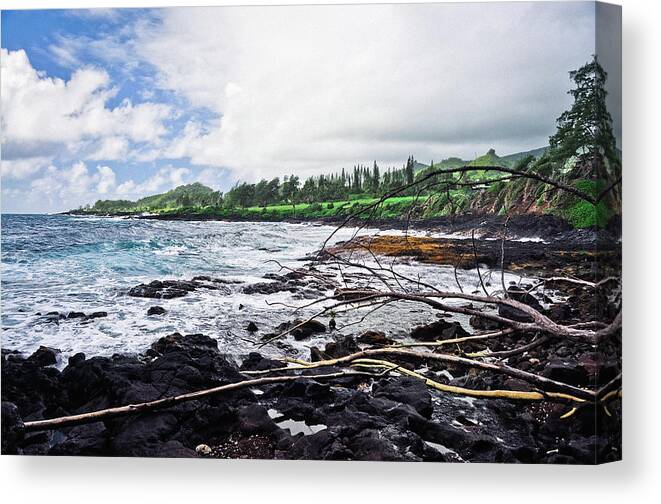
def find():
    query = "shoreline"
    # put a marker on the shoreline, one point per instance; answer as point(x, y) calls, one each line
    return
point(487, 226)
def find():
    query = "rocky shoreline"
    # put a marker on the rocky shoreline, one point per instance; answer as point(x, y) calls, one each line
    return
point(488, 225)
point(357, 418)
point(387, 416)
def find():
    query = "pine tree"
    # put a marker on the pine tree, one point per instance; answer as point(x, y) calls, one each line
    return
point(585, 130)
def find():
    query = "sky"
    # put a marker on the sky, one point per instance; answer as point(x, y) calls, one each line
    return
point(110, 104)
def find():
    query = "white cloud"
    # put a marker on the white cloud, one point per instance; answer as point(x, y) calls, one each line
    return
point(23, 168)
point(44, 115)
point(311, 88)
point(58, 188)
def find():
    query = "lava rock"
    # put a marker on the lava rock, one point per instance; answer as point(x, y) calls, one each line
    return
point(343, 346)
point(45, 356)
point(12, 428)
point(438, 330)
point(155, 310)
point(376, 338)
point(518, 294)
point(484, 324)
point(406, 390)
point(252, 327)
point(566, 372)
point(306, 329)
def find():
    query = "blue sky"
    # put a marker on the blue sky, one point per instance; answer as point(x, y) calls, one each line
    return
point(123, 103)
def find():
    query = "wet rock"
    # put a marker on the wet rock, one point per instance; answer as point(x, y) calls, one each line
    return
point(155, 310)
point(438, 330)
point(376, 338)
point(343, 346)
point(76, 359)
point(169, 289)
point(306, 329)
point(45, 356)
point(74, 315)
point(256, 362)
point(99, 314)
point(252, 327)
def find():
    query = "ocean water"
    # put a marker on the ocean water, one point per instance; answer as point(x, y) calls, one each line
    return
point(67, 263)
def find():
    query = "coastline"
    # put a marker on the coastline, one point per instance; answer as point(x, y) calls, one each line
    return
point(543, 227)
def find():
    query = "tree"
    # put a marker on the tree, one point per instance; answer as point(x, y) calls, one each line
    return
point(290, 189)
point(585, 130)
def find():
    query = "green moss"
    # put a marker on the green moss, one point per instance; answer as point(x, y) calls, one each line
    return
point(581, 213)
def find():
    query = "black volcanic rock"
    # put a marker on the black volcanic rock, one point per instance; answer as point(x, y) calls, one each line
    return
point(155, 310)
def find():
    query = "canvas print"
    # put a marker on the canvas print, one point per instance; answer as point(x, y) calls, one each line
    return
point(349, 232)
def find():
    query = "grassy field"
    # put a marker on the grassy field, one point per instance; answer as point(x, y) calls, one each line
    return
point(391, 208)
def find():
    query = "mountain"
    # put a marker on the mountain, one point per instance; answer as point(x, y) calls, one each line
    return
point(490, 158)
point(513, 158)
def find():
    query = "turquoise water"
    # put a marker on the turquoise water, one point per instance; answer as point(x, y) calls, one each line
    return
point(66, 263)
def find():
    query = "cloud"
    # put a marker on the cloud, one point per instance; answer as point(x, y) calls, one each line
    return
point(43, 115)
point(19, 169)
point(309, 88)
point(57, 188)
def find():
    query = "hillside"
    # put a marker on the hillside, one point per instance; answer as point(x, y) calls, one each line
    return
point(336, 196)
point(189, 195)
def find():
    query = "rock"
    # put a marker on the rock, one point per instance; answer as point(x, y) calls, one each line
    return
point(518, 294)
point(484, 324)
point(203, 449)
point(169, 289)
point(252, 327)
point(99, 314)
point(76, 359)
point(374, 338)
point(156, 310)
point(256, 362)
point(559, 312)
point(74, 315)
point(12, 428)
point(438, 330)
point(332, 324)
point(566, 372)
point(90, 440)
point(305, 330)
point(406, 390)
point(343, 346)
point(599, 368)
point(45, 356)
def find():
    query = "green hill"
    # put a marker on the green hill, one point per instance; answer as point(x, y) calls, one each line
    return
point(189, 195)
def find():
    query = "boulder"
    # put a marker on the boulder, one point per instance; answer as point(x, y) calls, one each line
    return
point(252, 327)
point(45, 356)
point(376, 338)
point(155, 310)
point(438, 330)
point(518, 294)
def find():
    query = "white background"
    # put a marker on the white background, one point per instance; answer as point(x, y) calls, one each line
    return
point(636, 479)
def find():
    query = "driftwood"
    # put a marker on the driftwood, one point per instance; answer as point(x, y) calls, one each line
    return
point(166, 402)
point(539, 381)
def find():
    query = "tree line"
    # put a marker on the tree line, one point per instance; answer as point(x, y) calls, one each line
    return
point(362, 181)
